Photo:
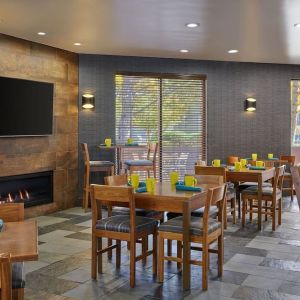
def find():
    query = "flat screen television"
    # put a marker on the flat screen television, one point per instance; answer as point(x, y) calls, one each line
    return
point(26, 107)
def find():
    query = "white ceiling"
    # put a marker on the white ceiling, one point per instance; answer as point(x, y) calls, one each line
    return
point(262, 30)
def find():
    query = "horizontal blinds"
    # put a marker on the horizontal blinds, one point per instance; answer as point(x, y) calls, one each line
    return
point(170, 110)
point(183, 129)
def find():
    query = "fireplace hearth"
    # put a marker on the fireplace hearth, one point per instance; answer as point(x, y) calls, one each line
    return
point(31, 189)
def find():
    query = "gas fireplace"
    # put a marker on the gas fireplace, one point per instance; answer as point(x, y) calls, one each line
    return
point(32, 189)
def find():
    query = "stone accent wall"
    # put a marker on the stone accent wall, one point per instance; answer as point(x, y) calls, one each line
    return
point(58, 152)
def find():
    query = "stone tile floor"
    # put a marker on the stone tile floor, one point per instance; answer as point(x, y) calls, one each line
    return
point(258, 265)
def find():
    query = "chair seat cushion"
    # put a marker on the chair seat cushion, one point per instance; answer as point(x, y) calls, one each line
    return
point(143, 162)
point(104, 163)
point(18, 275)
point(266, 190)
point(213, 213)
point(124, 211)
point(122, 224)
point(196, 228)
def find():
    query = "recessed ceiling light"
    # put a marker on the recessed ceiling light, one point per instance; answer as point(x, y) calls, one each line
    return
point(192, 25)
point(184, 51)
point(41, 33)
point(297, 25)
point(77, 44)
point(232, 51)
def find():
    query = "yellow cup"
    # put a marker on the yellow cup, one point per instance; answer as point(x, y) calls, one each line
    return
point(135, 180)
point(174, 176)
point(237, 166)
point(260, 163)
point(243, 162)
point(150, 185)
point(254, 156)
point(129, 141)
point(190, 180)
point(216, 163)
point(270, 155)
point(107, 142)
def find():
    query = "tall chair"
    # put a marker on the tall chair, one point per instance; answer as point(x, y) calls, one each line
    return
point(148, 164)
point(271, 197)
point(287, 175)
point(120, 228)
point(203, 230)
point(5, 277)
point(230, 194)
point(295, 170)
point(89, 167)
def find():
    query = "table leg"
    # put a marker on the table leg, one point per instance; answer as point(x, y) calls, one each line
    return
point(119, 160)
point(259, 202)
point(186, 267)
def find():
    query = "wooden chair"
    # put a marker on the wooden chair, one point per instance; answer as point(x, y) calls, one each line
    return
point(148, 164)
point(295, 171)
point(12, 212)
point(287, 175)
point(5, 277)
point(232, 159)
point(89, 167)
point(271, 197)
point(203, 230)
point(231, 193)
point(120, 228)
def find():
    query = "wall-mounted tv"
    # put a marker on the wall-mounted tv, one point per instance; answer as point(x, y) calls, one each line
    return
point(26, 107)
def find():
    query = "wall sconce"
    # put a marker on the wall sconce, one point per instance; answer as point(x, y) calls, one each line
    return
point(88, 101)
point(250, 104)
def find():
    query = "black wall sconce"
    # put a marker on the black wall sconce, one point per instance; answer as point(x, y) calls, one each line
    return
point(88, 101)
point(250, 104)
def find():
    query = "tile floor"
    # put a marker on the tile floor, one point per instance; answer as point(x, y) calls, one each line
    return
point(258, 265)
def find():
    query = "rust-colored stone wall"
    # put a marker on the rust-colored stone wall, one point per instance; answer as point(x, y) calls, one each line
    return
point(58, 152)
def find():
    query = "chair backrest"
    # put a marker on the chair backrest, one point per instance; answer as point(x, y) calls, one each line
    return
point(289, 158)
point(102, 195)
point(278, 179)
point(85, 152)
point(12, 212)
point(204, 170)
point(152, 152)
point(232, 159)
point(215, 196)
point(116, 180)
point(5, 277)
point(296, 181)
point(209, 179)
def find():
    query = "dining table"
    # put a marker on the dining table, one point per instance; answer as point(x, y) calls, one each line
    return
point(166, 198)
point(20, 240)
point(119, 148)
point(248, 175)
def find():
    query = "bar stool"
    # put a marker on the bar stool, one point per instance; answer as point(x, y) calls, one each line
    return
point(89, 167)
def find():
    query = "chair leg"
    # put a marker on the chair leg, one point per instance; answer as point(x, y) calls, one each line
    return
point(118, 254)
point(148, 173)
point(251, 208)
point(161, 254)
point(128, 245)
point(279, 211)
point(273, 209)
point(292, 190)
point(169, 250)
point(204, 265)
point(154, 264)
point(100, 255)
point(144, 248)
point(243, 211)
point(132, 263)
point(266, 210)
point(234, 210)
point(179, 253)
point(220, 254)
point(94, 257)
point(18, 294)
point(225, 215)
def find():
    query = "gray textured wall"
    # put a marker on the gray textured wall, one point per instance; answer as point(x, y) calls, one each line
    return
point(230, 130)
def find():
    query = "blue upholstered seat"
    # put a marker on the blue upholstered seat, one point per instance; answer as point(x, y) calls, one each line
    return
point(125, 211)
point(196, 227)
point(18, 275)
point(142, 162)
point(122, 224)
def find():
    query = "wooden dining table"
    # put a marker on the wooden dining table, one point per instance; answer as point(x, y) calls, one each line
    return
point(119, 148)
point(167, 198)
point(246, 175)
point(20, 240)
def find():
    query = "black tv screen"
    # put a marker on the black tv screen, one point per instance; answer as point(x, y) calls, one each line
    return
point(26, 107)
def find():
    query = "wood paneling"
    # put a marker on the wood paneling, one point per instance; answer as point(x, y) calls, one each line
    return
point(59, 152)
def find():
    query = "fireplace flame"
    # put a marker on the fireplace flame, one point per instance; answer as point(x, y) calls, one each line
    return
point(26, 194)
point(21, 195)
point(10, 199)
